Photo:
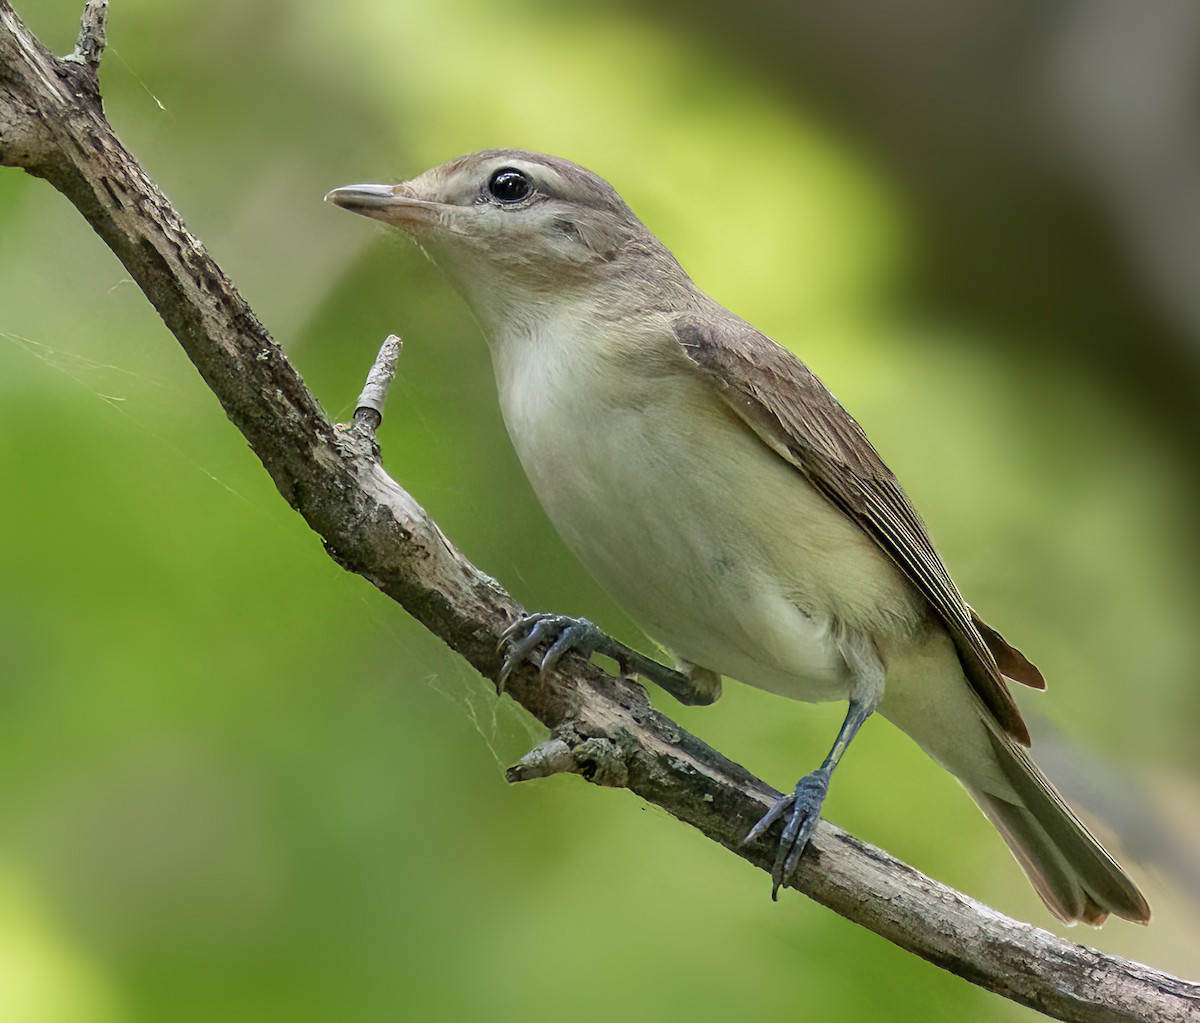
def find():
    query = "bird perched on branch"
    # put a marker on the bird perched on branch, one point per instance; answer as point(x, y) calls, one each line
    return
point(720, 493)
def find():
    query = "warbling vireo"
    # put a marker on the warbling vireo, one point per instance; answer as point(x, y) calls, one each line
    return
point(719, 492)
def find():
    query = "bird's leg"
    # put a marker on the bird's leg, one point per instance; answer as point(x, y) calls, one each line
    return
point(565, 634)
point(803, 806)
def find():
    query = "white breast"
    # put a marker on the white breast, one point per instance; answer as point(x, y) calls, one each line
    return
point(713, 544)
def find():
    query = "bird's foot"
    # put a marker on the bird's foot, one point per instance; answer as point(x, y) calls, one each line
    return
point(566, 634)
point(803, 809)
point(562, 632)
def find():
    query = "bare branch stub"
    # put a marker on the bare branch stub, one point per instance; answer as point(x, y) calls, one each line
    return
point(92, 39)
point(552, 757)
point(368, 411)
point(598, 759)
point(374, 527)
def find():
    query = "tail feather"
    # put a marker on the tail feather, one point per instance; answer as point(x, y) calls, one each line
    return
point(1071, 871)
point(1047, 869)
point(928, 698)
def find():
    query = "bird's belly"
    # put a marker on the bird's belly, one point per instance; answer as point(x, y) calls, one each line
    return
point(702, 592)
point(718, 548)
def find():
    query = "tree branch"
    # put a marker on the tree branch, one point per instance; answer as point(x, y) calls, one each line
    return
point(52, 125)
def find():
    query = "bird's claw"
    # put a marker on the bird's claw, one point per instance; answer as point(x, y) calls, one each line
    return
point(803, 809)
point(565, 634)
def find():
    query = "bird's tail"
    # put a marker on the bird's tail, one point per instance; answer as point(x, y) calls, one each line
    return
point(1068, 867)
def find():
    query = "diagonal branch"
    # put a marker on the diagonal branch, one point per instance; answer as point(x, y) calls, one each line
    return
point(52, 125)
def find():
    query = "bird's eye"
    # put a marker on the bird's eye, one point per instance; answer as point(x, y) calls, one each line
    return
point(509, 185)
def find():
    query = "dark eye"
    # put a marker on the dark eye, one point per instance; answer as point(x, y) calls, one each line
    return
point(509, 185)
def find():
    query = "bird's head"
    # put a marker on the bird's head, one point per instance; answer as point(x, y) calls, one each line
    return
point(511, 227)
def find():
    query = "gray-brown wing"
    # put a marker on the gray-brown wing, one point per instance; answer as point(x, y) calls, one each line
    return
point(790, 410)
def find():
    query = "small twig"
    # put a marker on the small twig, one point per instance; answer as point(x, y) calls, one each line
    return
point(597, 759)
point(92, 37)
point(368, 412)
point(552, 757)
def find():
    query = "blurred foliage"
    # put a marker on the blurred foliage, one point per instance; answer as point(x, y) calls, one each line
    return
point(237, 783)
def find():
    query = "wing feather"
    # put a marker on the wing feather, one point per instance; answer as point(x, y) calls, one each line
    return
point(790, 410)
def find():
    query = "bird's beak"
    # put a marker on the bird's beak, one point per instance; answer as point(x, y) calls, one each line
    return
point(397, 205)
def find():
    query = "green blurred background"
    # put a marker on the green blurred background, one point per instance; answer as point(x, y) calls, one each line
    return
point(237, 783)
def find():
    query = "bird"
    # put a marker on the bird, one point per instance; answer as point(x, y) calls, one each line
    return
point(717, 490)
